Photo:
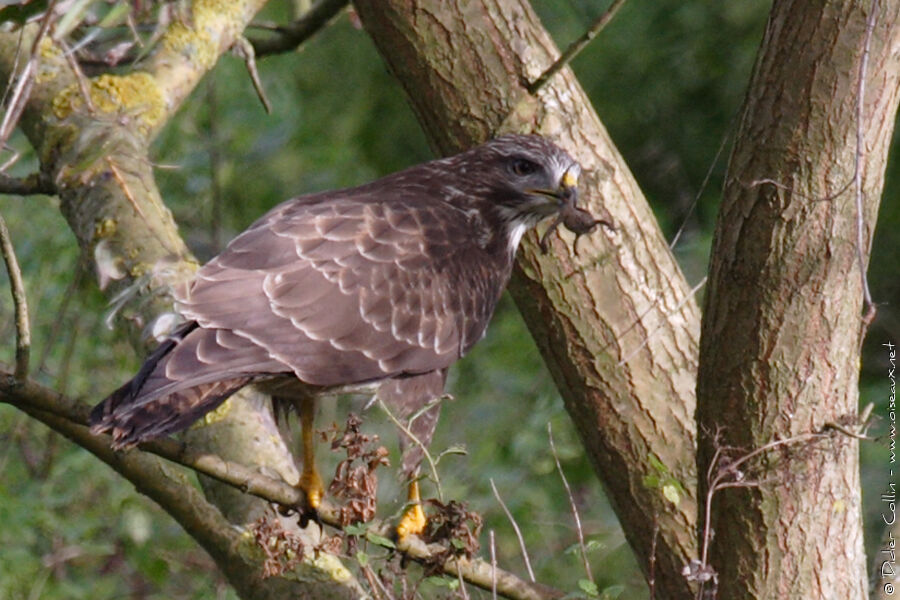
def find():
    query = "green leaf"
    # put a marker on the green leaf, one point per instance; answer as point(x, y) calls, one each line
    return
point(589, 587)
point(657, 464)
point(380, 540)
point(612, 592)
point(651, 481)
point(362, 558)
point(356, 529)
point(442, 582)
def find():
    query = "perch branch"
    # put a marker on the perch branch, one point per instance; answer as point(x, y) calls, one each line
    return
point(20, 303)
point(69, 417)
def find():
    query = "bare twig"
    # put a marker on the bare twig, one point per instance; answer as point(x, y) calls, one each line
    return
point(79, 76)
point(432, 465)
point(705, 182)
point(572, 504)
point(69, 416)
point(25, 80)
point(294, 34)
point(20, 303)
point(117, 175)
point(857, 170)
point(36, 183)
point(462, 586)
point(244, 49)
point(516, 529)
point(720, 477)
point(576, 47)
point(493, 565)
point(787, 188)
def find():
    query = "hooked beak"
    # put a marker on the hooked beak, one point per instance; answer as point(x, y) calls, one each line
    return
point(566, 193)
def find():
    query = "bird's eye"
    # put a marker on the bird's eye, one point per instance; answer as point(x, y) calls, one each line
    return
point(523, 167)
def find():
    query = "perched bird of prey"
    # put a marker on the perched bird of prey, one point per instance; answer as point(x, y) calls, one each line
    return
point(377, 288)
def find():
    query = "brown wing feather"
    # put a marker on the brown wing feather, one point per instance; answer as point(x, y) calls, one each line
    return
point(344, 292)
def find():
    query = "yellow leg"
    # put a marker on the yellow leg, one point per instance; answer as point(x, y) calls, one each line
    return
point(413, 520)
point(310, 481)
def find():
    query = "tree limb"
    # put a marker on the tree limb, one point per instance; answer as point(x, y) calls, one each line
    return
point(289, 37)
point(36, 183)
point(69, 417)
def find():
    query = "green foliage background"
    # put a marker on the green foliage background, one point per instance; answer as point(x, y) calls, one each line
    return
point(666, 77)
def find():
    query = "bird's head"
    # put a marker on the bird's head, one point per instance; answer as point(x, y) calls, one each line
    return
point(530, 178)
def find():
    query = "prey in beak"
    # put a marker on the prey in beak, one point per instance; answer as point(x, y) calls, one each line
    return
point(576, 220)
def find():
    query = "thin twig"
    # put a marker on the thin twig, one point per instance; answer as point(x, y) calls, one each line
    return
point(20, 303)
point(787, 188)
point(291, 36)
point(516, 529)
point(117, 175)
point(79, 76)
point(576, 47)
point(493, 564)
point(705, 182)
point(857, 170)
point(26, 80)
point(462, 586)
point(572, 504)
point(36, 183)
point(431, 463)
point(244, 49)
point(718, 475)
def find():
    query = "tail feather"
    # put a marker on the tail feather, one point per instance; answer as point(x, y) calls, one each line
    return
point(131, 422)
point(152, 405)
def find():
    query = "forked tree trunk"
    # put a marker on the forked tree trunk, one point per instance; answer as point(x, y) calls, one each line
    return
point(781, 332)
point(615, 321)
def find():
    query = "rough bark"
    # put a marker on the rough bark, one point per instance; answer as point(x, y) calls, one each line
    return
point(98, 157)
point(615, 321)
point(781, 332)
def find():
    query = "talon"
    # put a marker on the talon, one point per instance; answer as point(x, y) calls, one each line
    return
point(310, 514)
point(311, 484)
point(413, 521)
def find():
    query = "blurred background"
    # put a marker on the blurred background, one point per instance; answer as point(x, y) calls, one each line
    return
point(667, 79)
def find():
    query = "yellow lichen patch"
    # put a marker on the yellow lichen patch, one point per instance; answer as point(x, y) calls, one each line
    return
point(104, 228)
point(194, 44)
point(209, 13)
point(218, 414)
point(212, 27)
point(51, 59)
point(330, 564)
point(136, 95)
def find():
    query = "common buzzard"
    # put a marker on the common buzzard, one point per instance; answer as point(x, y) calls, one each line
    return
point(375, 288)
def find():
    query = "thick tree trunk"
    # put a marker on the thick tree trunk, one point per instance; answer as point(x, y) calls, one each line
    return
point(779, 353)
point(615, 321)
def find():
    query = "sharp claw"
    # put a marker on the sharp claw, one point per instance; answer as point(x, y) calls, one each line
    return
point(310, 514)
